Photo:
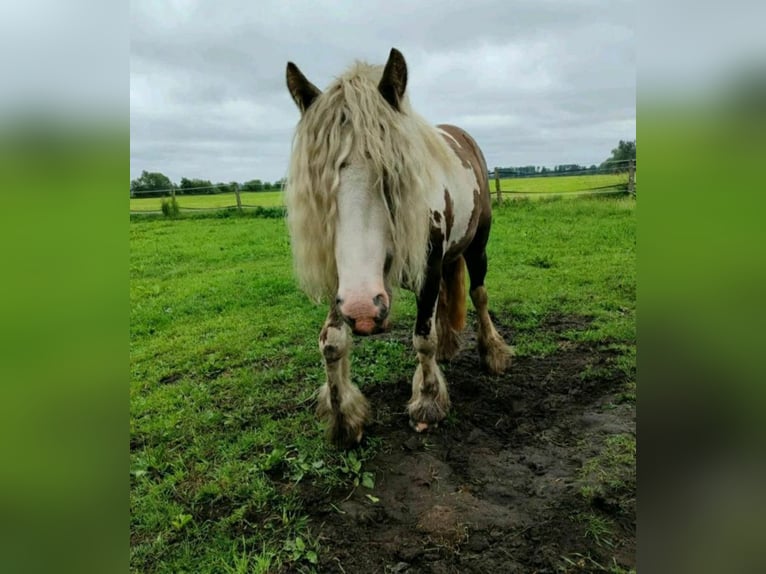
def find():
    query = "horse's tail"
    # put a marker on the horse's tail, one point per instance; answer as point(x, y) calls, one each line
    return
point(454, 290)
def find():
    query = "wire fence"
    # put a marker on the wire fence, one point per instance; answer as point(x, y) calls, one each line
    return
point(613, 177)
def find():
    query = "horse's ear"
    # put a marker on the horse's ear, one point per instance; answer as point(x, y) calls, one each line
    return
point(303, 92)
point(394, 80)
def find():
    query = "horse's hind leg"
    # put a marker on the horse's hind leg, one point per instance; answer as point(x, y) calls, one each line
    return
point(341, 404)
point(495, 354)
point(450, 310)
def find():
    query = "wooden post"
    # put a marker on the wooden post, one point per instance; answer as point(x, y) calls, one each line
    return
point(497, 185)
point(239, 201)
point(632, 177)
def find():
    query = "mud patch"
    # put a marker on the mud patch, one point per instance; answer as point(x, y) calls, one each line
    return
point(507, 483)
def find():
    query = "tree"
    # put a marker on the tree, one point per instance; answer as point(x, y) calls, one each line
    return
point(151, 184)
point(253, 185)
point(196, 186)
point(266, 186)
point(624, 151)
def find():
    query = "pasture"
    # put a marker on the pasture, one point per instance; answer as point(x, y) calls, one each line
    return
point(212, 201)
point(532, 470)
point(531, 185)
point(563, 183)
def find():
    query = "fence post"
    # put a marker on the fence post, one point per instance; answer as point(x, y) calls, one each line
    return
point(239, 201)
point(497, 185)
point(632, 177)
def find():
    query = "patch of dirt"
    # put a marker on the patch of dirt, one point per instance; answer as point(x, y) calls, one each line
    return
point(498, 486)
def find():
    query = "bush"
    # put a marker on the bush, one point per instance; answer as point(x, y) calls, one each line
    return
point(170, 207)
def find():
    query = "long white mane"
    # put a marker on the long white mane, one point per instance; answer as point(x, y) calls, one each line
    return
point(404, 153)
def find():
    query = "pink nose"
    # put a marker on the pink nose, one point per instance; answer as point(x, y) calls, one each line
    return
point(365, 315)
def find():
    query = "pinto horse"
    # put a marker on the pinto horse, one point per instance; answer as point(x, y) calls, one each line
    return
point(376, 198)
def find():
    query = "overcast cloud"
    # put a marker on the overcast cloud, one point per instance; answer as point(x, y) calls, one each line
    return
point(538, 82)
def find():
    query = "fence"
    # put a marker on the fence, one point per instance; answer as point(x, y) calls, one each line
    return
point(150, 201)
point(612, 177)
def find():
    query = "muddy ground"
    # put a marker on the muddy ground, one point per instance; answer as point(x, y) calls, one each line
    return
point(501, 485)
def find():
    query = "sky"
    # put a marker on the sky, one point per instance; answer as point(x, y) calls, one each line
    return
point(539, 82)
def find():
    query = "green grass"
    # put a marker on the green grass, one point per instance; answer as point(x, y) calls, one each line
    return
point(224, 365)
point(260, 198)
point(562, 184)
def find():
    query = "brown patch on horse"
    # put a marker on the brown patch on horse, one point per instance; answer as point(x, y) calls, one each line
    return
point(449, 213)
point(468, 152)
point(334, 320)
point(429, 292)
point(473, 224)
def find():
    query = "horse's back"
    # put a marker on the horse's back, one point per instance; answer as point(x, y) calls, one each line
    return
point(466, 201)
point(468, 151)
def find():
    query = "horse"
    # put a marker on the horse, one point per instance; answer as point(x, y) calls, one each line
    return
point(377, 198)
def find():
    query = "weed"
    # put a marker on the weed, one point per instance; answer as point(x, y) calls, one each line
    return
point(300, 551)
point(597, 528)
point(170, 207)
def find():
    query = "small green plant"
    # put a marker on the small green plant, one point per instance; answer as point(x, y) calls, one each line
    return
point(170, 207)
point(596, 528)
point(351, 466)
point(541, 261)
point(247, 562)
point(300, 551)
point(180, 521)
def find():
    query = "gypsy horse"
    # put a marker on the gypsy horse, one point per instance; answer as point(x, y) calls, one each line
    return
point(376, 198)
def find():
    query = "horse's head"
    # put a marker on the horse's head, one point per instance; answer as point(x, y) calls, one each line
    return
point(345, 154)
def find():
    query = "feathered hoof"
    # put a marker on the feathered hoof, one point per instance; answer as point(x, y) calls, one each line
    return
point(345, 427)
point(344, 436)
point(428, 410)
point(495, 355)
point(423, 427)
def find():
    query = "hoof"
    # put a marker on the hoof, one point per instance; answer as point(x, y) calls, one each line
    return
point(495, 355)
point(426, 415)
point(422, 426)
point(345, 425)
point(344, 438)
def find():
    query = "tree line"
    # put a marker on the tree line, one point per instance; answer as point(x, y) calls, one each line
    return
point(616, 163)
point(156, 184)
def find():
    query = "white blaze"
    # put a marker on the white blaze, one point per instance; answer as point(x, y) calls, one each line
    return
point(361, 242)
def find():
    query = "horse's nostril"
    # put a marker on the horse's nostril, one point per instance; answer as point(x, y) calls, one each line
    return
point(378, 300)
point(338, 300)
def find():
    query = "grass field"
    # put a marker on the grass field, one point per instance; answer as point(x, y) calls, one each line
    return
point(563, 184)
point(224, 365)
point(260, 198)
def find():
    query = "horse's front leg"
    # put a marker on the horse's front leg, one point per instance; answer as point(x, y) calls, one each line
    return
point(341, 404)
point(430, 402)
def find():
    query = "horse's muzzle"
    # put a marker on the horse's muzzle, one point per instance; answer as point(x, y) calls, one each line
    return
point(371, 322)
